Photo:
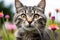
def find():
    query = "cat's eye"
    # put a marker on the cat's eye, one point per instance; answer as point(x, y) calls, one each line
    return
point(23, 16)
point(36, 16)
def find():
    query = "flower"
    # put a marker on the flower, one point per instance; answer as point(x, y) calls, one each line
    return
point(49, 14)
point(7, 16)
point(1, 14)
point(53, 18)
point(53, 27)
point(57, 10)
point(10, 26)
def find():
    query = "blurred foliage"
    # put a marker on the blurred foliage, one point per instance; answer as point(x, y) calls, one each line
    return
point(49, 22)
point(6, 10)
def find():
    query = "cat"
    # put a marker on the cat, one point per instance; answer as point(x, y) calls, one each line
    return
point(31, 22)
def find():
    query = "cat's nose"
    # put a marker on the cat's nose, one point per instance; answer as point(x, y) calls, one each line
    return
point(30, 20)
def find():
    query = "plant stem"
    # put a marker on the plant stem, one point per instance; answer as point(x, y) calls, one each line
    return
point(53, 21)
point(7, 20)
point(0, 22)
point(53, 35)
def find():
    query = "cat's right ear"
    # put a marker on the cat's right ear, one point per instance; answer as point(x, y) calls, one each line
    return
point(18, 4)
point(42, 4)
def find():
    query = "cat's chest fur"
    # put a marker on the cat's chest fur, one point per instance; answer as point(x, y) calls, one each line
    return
point(31, 36)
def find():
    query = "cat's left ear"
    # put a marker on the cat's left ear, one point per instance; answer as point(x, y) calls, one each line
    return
point(18, 4)
point(42, 4)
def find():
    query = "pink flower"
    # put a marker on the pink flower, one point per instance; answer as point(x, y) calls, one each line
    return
point(53, 27)
point(49, 14)
point(10, 26)
point(53, 18)
point(1, 14)
point(7, 16)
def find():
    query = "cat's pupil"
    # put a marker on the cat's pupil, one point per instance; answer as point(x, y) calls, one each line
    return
point(36, 16)
point(23, 15)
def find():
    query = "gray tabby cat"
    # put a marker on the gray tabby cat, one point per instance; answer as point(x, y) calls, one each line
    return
point(31, 21)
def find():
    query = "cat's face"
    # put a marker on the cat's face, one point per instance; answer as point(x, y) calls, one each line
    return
point(30, 18)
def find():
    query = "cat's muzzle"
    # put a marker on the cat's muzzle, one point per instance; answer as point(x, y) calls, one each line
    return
point(29, 27)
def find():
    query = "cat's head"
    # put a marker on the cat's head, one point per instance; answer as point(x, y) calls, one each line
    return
point(28, 17)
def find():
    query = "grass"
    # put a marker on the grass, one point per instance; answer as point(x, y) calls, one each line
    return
point(7, 35)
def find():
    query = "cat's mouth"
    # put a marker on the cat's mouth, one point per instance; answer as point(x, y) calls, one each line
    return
point(29, 28)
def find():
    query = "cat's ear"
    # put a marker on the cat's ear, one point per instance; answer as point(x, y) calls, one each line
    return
point(18, 4)
point(42, 4)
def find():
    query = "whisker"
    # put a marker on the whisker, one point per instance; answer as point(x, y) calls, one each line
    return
point(39, 32)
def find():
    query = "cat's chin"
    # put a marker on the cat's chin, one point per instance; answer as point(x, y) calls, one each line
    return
point(29, 29)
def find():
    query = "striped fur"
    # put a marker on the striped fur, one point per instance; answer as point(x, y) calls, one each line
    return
point(30, 22)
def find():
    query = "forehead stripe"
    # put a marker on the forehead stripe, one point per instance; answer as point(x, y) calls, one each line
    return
point(40, 9)
point(30, 9)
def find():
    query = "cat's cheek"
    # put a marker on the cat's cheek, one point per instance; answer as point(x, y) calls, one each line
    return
point(24, 24)
point(34, 23)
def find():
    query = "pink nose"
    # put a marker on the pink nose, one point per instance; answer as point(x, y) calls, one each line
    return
point(29, 20)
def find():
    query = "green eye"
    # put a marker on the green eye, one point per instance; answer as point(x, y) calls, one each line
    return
point(23, 16)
